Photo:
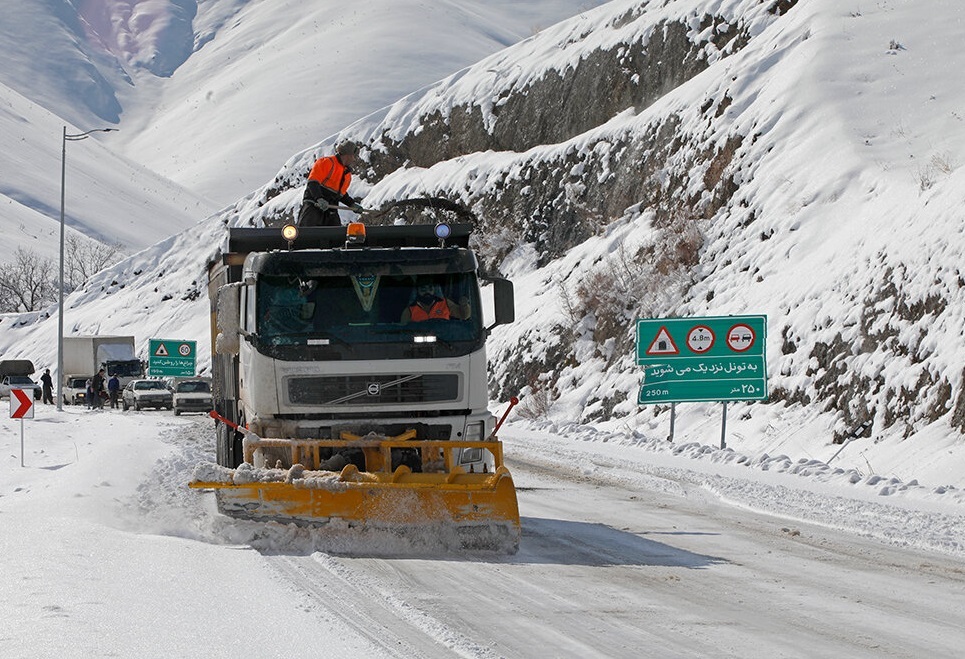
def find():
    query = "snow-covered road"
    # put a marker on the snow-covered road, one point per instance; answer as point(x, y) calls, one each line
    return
point(626, 552)
point(607, 571)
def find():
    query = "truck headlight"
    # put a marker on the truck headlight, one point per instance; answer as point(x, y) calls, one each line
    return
point(470, 455)
point(474, 431)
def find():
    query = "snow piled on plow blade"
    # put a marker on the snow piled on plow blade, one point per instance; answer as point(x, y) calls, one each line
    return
point(442, 511)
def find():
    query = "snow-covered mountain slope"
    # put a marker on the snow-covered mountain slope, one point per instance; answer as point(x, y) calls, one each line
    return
point(216, 94)
point(107, 197)
point(800, 165)
point(807, 173)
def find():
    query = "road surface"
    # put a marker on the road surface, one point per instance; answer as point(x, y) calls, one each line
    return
point(607, 568)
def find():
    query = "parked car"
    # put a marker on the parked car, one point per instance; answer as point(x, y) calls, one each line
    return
point(75, 391)
point(18, 382)
point(140, 394)
point(193, 396)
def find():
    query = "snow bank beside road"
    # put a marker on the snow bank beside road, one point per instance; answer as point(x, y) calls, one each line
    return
point(806, 490)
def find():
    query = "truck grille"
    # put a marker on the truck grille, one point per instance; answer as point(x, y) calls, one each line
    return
point(378, 389)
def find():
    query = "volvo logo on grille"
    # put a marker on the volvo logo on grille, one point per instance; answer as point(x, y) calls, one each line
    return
point(374, 388)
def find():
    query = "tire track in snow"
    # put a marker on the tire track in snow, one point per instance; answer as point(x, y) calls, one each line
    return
point(380, 615)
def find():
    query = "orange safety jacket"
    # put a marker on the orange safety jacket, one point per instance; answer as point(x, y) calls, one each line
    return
point(332, 174)
point(438, 310)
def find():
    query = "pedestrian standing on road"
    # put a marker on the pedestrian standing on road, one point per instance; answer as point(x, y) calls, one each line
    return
point(90, 392)
point(48, 385)
point(97, 386)
point(113, 388)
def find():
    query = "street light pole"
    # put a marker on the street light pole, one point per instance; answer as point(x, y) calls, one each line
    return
point(60, 305)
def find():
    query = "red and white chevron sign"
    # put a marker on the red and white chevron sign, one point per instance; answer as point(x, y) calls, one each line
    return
point(21, 404)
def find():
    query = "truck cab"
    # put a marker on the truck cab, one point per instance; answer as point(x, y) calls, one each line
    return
point(329, 342)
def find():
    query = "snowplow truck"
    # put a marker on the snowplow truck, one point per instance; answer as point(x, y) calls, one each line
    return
point(350, 382)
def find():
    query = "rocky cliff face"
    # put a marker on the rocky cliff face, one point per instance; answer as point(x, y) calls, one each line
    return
point(561, 105)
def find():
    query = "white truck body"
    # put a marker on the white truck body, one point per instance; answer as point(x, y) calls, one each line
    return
point(85, 355)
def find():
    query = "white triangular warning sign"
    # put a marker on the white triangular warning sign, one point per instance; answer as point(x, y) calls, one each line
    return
point(663, 344)
point(161, 351)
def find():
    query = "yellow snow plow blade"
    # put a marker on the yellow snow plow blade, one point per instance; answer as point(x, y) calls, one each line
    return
point(480, 507)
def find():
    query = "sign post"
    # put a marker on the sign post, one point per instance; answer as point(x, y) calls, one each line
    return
point(21, 407)
point(717, 358)
point(171, 357)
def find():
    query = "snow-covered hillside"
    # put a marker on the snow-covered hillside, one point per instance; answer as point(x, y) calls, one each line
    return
point(803, 167)
point(107, 197)
point(808, 173)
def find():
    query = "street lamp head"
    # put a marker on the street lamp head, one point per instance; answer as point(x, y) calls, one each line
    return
point(79, 136)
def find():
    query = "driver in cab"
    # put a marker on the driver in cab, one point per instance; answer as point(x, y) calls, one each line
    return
point(429, 303)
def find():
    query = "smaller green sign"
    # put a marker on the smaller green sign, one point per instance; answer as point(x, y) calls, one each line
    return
point(172, 357)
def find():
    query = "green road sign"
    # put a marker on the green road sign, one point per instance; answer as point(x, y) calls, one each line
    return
point(171, 357)
point(715, 358)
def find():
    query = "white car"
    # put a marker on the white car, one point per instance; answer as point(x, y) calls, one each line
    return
point(146, 393)
point(75, 390)
point(193, 396)
point(19, 382)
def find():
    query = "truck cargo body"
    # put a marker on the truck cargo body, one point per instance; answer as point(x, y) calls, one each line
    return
point(85, 355)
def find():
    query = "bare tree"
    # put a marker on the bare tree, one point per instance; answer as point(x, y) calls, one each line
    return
point(27, 284)
point(83, 257)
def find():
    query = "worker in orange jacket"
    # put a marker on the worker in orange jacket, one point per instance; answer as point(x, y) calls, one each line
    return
point(327, 187)
point(429, 303)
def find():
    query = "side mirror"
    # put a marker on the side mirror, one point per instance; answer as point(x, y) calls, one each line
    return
point(229, 321)
point(504, 304)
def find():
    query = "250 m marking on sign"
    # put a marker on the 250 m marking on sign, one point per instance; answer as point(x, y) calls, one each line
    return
point(651, 393)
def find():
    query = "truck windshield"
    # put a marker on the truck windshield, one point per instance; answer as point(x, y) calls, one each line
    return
point(131, 368)
point(193, 387)
point(149, 385)
point(354, 312)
